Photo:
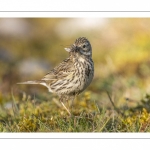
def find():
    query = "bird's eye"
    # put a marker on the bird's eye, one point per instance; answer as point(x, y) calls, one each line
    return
point(84, 46)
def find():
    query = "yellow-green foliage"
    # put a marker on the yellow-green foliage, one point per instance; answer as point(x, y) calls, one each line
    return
point(139, 122)
point(31, 115)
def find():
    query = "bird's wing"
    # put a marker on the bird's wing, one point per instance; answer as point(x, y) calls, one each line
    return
point(61, 71)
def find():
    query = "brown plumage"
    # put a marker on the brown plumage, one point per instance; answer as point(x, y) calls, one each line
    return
point(73, 75)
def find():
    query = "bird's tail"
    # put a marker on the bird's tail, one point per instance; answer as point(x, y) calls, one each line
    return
point(42, 82)
point(33, 82)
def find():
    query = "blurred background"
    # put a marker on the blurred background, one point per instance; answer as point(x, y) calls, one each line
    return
point(29, 48)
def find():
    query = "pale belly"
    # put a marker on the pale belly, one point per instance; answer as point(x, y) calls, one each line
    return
point(75, 86)
point(76, 82)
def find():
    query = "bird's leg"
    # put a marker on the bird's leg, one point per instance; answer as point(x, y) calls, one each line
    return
point(61, 101)
point(72, 101)
point(67, 99)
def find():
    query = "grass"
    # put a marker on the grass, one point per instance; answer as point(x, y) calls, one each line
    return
point(32, 115)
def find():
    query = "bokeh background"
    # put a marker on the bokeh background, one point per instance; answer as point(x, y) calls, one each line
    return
point(31, 47)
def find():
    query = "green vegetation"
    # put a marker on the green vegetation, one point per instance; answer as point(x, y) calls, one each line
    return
point(118, 99)
point(29, 115)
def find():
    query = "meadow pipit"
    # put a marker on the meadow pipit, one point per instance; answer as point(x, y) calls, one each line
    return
point(73, 75)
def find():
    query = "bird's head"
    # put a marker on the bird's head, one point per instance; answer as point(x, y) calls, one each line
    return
point(81, 47)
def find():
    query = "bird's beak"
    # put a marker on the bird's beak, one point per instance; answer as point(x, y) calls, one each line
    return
point(68, 49)
point(72, 48)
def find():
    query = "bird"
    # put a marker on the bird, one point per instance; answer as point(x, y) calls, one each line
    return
point(73, 75)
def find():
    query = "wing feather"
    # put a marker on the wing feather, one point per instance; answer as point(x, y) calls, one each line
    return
point(63, 70)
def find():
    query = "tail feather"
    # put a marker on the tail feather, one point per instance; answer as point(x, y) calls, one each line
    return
point(33, 82)
point(42, 82)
